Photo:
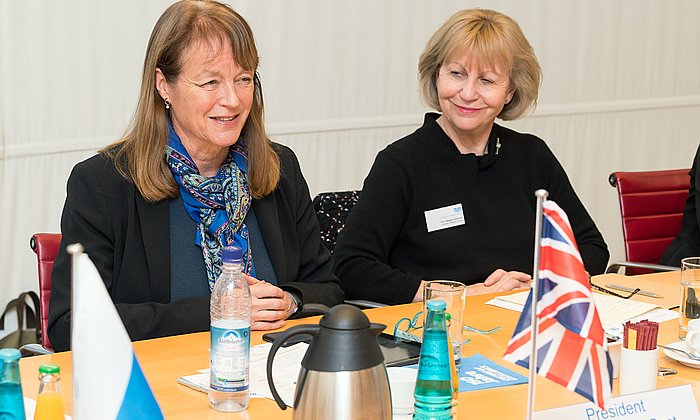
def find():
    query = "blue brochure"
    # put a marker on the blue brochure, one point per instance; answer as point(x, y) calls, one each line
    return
point(478, 372)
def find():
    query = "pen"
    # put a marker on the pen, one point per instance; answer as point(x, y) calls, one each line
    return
point(630, 290)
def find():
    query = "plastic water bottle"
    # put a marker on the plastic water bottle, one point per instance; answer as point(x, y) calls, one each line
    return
point(433, 392)
point(49, 405)
point(11, 401)
point(229, 357)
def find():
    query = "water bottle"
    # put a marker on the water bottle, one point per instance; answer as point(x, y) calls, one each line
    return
point(433, 392)
point(49, 405)
point(11, 400)
point(230, 336)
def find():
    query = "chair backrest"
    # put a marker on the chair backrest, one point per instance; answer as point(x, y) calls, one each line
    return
point(332, 209)
point(651, 206)
point(45, 246)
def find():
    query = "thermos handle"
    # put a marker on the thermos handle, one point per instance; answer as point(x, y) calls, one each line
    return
point(276, 344)
point(314, 308)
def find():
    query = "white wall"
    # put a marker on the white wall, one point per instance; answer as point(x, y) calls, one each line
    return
point(621, 91)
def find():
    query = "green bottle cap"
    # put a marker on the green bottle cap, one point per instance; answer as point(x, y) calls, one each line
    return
point(9, 355)
point(49, 369)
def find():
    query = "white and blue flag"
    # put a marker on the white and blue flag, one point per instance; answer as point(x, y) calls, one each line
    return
point(107, 380)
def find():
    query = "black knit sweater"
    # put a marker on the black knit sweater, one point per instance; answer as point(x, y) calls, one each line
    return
point(385, 249)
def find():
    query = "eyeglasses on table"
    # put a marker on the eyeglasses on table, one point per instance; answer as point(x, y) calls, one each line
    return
point(403, 330)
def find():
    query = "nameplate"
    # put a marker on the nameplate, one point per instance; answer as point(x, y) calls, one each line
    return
point(667, 403)
point(445, 217)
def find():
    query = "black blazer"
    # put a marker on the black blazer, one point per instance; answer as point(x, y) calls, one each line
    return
point(687, 242)
point(128, 239)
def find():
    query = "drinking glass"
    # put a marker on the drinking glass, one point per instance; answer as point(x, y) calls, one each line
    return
point(690, 293)
point(454, 294)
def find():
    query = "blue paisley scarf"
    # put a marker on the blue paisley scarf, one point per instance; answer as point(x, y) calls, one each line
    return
point(218, 204)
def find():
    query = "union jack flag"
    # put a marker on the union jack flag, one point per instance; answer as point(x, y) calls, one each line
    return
point(571, 346)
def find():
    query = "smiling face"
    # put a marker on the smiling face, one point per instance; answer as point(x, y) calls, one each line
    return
point(210, 101)
point(470, 97)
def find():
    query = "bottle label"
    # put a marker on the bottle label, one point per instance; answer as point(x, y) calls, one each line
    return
point(434, 362)
point(229, 358)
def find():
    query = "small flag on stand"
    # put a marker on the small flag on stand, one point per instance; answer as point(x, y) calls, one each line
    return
point(570, 341)
point(107, 380)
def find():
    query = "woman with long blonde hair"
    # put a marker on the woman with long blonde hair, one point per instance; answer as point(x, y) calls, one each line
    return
point(195, 172)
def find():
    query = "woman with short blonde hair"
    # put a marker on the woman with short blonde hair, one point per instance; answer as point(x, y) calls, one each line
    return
point(492, 38)
point(455, 199)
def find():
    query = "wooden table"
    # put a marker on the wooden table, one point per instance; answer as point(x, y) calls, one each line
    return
point(163, 360)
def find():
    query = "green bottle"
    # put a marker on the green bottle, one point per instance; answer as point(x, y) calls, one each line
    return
point(11, 400)
point(433, 391)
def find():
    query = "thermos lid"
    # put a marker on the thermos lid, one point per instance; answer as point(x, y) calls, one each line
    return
point(345, 317)
point(346, 341)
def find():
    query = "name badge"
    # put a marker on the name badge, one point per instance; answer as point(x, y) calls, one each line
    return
point(444, 217)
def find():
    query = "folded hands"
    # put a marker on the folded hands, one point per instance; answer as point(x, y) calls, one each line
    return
point(271, 306)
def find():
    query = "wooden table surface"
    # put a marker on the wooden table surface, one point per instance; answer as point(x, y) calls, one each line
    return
point(163, 360)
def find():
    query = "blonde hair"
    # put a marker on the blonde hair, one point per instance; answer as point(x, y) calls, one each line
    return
point(491, 38)
point(139, 154)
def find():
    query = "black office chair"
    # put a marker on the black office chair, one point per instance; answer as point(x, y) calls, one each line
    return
point(332, 209)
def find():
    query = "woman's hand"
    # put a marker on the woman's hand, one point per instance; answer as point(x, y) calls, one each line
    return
point(499, 281)
point(270, 305)
point(502, 280)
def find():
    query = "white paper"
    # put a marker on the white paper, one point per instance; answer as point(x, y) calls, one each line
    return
point(285, 371)
point(613, 311)
point(501, 303)
point(656, 315)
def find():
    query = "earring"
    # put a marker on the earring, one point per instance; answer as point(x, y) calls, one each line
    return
point(167, 104)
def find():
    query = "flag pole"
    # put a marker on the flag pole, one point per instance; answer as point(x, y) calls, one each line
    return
point(75, 251)
point(541, 198)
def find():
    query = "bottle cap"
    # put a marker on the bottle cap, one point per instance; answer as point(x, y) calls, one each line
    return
point(9, 355)
point(49, 369)
point(436, 304)
point(232, 254)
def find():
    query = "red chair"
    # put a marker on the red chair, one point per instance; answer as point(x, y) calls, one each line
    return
point(651, 206)
point(45, 246)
